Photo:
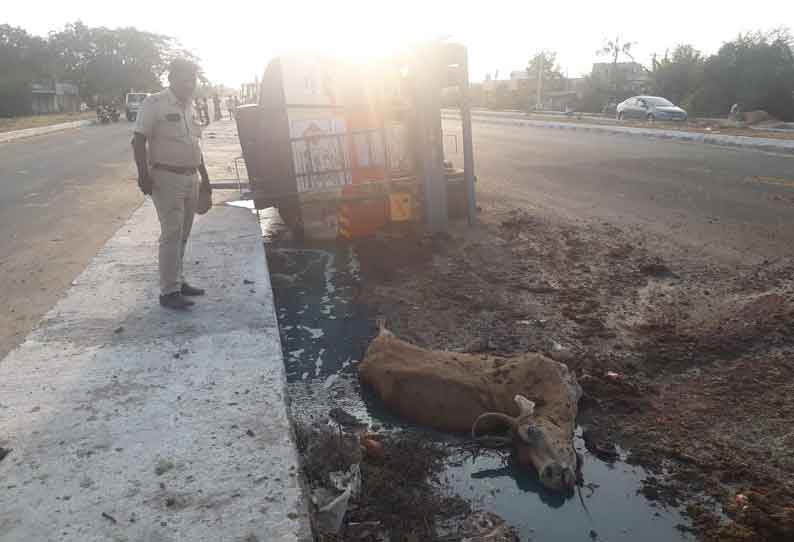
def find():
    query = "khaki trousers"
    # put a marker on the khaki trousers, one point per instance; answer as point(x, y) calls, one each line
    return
point(175, 198)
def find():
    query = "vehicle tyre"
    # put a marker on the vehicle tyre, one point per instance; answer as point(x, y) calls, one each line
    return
point(620, 116)
point(291, 214)
point(650, 117)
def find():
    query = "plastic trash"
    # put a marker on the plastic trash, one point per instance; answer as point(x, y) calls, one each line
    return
point(332, 506)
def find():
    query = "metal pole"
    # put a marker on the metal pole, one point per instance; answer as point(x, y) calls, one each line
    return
point(429, 140)
point(468, 145)
point(539, 101)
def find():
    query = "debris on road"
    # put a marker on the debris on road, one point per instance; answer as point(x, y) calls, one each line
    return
point(344, 418)
point(395, 492)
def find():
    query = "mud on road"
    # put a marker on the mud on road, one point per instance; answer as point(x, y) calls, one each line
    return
point(685, 362)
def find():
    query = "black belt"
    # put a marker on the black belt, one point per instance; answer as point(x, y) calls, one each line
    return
point(176, 169)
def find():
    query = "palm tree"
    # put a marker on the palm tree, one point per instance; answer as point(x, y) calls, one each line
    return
point(615, 48)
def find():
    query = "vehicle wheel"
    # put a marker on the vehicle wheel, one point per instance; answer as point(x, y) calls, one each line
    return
point(650, 117)
point(620, 116)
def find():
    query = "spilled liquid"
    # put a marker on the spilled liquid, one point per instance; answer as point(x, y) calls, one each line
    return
point(325, 332)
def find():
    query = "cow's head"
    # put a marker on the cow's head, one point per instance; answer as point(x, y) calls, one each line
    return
point(539, 442)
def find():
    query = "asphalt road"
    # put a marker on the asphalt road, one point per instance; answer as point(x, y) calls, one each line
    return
point(730, 204)
point(61, 197)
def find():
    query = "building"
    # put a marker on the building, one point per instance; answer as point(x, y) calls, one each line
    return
point(632, 77)
point(54, 97)
point(520, 92)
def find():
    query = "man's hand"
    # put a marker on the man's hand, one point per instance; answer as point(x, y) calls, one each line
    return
point(139, 150)
point(145, 183)
point(205, 176)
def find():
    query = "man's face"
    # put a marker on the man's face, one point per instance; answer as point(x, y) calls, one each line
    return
point(183, 85)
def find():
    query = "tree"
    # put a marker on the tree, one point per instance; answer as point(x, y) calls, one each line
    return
point(756, 70)
point(677, 76)
point(110, 62)
point(596, 92)
point(102, 61)
point(547, 59)
point(614, 49)
point(23, 59)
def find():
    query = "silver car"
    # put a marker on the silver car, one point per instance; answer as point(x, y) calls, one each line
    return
point(650, 108)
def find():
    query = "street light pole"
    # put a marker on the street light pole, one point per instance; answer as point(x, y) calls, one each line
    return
point(539, 100)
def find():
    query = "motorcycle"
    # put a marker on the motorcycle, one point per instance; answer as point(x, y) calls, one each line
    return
point(102, 114)
point(106, 114)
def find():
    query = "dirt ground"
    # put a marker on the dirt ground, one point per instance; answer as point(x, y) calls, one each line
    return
point(684, 362)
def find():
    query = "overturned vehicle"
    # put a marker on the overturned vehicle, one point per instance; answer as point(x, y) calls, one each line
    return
point(528, 400)
point(345, 150)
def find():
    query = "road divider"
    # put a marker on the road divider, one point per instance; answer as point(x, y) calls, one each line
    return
point(757, 143)
point(6, 137)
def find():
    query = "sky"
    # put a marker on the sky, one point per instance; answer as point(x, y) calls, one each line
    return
point(235, 40)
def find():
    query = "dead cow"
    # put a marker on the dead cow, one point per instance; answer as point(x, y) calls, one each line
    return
point(533, 397)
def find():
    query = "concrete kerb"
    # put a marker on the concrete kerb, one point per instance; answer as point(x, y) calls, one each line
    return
point(6, 137)
point(131, 422)
point(757, 143)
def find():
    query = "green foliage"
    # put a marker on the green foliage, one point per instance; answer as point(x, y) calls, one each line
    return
point(596, 93)
point(14, 97)
point(551, 70)
point(756, 70)
point(677, 77)
point(103, 62)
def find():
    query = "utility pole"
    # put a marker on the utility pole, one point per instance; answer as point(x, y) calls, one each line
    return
point(539, 100)
point(429, 137)
point(468, 146)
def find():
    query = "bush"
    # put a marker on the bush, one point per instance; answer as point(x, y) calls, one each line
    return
point(15, 98)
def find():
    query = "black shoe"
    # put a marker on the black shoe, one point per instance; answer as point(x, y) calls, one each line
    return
point(176, 301)
point(187, 289)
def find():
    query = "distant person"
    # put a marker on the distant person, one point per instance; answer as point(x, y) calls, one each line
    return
point(216, 106)
point(230, 107)
point(205, 112)
point(737, 112)
point(169, 160)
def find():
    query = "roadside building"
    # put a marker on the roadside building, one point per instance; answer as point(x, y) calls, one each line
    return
point(520, 92)
point(630, 77)
point(54, 97)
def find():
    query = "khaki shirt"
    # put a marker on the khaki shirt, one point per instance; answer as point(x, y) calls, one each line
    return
point(169, 126)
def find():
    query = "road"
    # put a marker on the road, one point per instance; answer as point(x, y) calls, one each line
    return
point(61, 197)
point(733, 205)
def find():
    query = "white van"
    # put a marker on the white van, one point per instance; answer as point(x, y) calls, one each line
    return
point(133, 103)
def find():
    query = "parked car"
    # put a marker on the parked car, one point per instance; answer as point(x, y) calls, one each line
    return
point(650, 108)
point(133, 104)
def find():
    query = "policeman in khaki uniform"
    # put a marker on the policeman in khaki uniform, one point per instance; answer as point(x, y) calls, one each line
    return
point(169, 172)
